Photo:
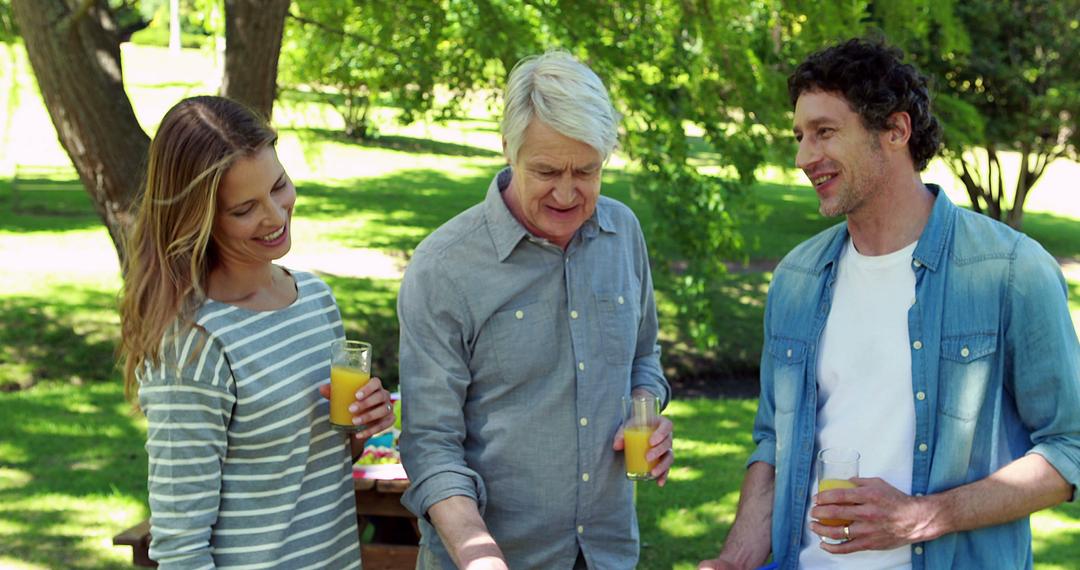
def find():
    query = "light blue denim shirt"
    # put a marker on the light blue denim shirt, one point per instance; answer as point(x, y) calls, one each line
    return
point(515, 356)
point(995, 375)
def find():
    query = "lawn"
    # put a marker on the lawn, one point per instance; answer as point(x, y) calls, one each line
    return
point(72, 465)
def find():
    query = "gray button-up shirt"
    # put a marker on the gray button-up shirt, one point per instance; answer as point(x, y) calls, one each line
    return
point(515, 356)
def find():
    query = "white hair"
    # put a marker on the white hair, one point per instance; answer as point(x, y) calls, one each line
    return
point(566, 95)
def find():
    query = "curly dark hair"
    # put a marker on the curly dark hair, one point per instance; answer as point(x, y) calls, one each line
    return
point(876, 83)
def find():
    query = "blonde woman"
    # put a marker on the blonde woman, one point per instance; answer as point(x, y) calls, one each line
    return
point(229, 354)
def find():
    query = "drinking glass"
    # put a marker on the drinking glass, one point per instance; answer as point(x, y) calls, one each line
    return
point(835, 467)
point(350, 370)
point(641, 415)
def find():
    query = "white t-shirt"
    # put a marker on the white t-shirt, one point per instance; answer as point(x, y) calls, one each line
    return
point(864, 386)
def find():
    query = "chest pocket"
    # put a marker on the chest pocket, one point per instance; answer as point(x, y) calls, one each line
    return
point(519, 335)
point(619, 319)
point(967, 362)
point(789, 370)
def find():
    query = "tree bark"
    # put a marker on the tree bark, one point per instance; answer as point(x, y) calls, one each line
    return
point(253, 30)
point(74, 51)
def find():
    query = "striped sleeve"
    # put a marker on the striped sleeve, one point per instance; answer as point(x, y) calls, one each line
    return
point(188, 400)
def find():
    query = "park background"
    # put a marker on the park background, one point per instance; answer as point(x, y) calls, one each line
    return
point(388, 124)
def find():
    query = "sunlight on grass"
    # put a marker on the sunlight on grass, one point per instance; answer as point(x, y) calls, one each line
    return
point(65, 526)
point(696, 521)
point(13, 564)
point(12, 478)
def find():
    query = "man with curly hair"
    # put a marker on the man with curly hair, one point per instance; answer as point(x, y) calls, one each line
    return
point(935, 342)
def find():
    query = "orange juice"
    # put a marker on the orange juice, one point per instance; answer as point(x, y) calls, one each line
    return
point(637, 444)
point(344, 382)
point(825, 485)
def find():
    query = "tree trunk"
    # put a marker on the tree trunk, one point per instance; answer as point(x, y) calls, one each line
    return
point(1028, 176)
point(974, 191)
point(75, 54)
point(253, 30)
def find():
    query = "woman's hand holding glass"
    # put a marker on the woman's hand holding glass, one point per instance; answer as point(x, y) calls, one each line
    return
point(372, 409)
point(368, 410)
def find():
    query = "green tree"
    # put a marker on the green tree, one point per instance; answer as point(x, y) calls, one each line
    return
point(359, 53)
point(1007, 78)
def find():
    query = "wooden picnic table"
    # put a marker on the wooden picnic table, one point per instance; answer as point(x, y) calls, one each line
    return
point(378, 504)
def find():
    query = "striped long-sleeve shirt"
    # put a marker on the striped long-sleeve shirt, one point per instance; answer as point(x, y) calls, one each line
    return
point(245, 471)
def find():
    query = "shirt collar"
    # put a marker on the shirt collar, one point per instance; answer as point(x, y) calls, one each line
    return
point(507, 231)
point(931, 243)
point(938, 228)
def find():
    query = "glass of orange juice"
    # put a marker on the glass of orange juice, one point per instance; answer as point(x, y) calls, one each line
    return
point(350, 370)
point(836, 466)
point(641, 415)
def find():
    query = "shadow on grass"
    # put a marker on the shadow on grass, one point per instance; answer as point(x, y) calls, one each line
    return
point(72, 474)
point(1060, 235)
point(685, 521)
point(69, 336)
point(308, 136)
point(72, 465)
point(64, 206)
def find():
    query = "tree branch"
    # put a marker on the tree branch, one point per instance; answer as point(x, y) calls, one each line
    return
point(339, 32)
point(64, 25)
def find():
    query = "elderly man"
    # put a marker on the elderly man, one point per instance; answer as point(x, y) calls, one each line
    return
point(524, 322)
point(934, 341)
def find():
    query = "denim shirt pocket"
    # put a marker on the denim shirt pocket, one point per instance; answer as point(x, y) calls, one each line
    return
point(519, 335)
point(966, 365)
point(619, 321)
point(789, 370)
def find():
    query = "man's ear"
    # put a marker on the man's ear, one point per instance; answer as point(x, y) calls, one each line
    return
point(899, 128)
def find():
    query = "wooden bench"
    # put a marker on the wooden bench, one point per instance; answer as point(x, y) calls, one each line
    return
point(138, 538)
point(378, 503)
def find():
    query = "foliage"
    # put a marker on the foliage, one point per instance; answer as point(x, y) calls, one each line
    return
point(8, 29)
point(358, 53)
point(1008, 80)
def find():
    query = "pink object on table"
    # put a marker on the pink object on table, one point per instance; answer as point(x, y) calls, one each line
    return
point(384, 471)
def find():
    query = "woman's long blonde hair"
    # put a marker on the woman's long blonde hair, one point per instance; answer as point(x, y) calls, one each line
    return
point(169, 252)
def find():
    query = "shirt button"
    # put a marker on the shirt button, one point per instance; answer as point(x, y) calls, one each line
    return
point(918, 494)
point(917, 263)
point(520, 315)
point(621, 300)
point(580, 529)
point(573, 314)
point(917, 345)
point(918, 550)
point(585, 477)
point(584, 421)
point(581, 366)
point(920, 395)
point(789, 353)
point(923, 447)
point(965, 352)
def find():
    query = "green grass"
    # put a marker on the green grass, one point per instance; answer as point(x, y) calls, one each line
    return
point(72, 464)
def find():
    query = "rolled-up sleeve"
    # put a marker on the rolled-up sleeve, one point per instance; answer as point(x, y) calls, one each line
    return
point(435, 378)
point(188, 412)
point(646, 372)
point(1043, 359)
